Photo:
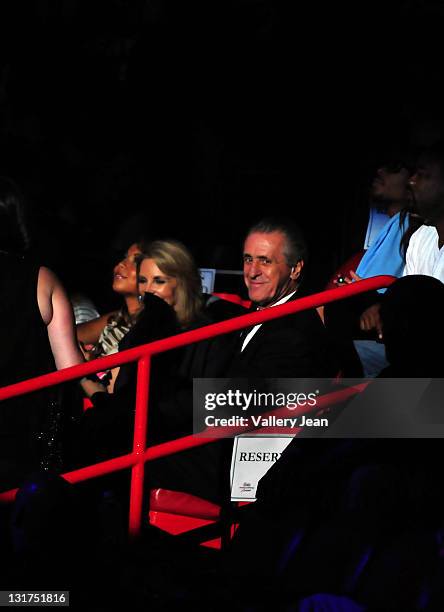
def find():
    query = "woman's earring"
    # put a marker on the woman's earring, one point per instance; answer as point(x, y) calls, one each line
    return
point(140, 298)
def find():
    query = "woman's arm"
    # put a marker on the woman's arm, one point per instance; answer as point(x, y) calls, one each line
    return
point(56, 311)
point(89, 332)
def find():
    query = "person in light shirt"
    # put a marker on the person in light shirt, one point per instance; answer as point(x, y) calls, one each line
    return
point(425, 254)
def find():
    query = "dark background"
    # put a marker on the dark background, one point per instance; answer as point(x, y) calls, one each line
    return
point(193, 119)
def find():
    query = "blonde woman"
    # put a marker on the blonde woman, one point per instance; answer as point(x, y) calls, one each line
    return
point(167, 269)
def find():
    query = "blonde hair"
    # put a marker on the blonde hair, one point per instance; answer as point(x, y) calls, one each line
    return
point(174, 259)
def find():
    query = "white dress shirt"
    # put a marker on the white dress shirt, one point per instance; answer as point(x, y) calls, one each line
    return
point(256, 327)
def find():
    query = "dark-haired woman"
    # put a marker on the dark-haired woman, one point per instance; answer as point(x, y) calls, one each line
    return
point(105, 332)
point(101, 336)
point(38, 336)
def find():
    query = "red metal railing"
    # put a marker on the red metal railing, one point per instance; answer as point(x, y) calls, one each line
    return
point(142, 354)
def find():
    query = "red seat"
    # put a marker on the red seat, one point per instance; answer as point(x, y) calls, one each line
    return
point(177, 512)
point(177, 502)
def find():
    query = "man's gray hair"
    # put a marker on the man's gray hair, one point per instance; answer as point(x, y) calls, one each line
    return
point(295, 249)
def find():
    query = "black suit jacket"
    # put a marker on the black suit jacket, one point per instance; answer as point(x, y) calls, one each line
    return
point(294, 346)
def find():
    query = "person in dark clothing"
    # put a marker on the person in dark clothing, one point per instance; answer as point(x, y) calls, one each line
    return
point(170, 283)
point(412, 332)
point(38, 336)
point(331, 511)
point(293, 346)
point(106, 430)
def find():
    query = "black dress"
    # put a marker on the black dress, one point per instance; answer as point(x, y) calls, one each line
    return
point(107, 429)
point(28, 424)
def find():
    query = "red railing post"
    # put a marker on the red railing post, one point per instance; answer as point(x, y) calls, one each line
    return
point(139, 445)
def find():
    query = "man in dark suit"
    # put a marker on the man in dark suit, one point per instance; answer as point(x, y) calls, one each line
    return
point(331, 512)
point(292, 346)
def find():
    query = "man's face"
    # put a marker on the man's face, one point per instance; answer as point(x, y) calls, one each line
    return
point(428, 188)
point(390, 185)
point(267, 275)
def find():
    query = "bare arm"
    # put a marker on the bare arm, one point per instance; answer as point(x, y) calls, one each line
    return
point(89, 332)
point(371, 319)
point(58, 317)
point(56, 311)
